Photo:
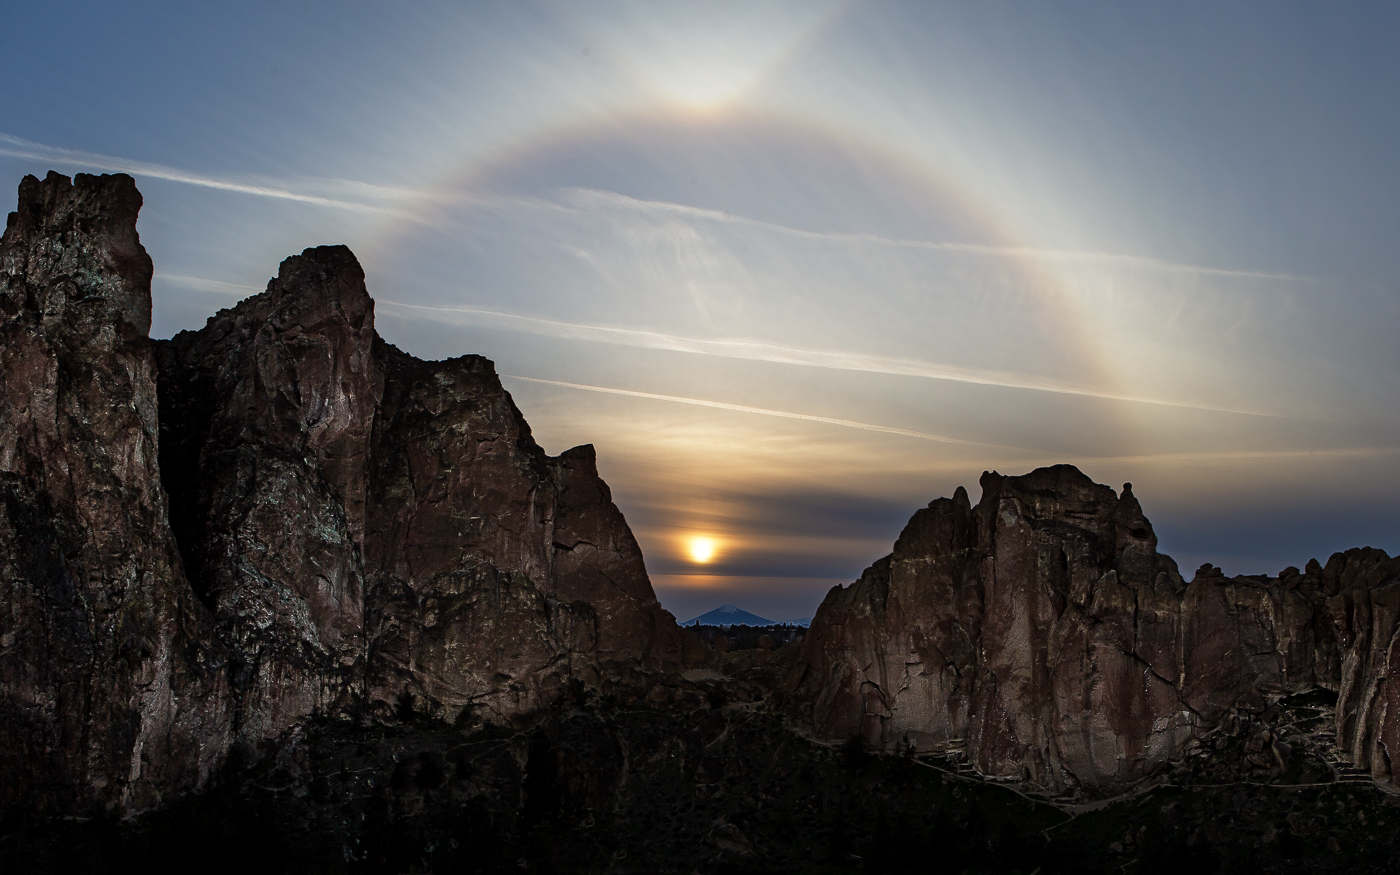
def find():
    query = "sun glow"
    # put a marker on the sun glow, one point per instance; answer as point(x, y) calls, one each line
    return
point(691, 57)
point(701, 549)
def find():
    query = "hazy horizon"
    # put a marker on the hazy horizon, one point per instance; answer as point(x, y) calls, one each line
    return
point(797, 269)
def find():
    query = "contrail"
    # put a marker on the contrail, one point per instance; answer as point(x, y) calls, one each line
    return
point(1206, 456)
point(754, 350)
point(15, 147)
point(764, 411)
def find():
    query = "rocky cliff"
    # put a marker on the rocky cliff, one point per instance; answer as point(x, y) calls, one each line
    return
point(110, 686)
point(1042, 635)
point(280, 523)
point(208, 539)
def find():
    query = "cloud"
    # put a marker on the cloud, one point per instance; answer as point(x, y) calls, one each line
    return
point(763, 411)
point(1251, 455)
point(15, 147)
point(756, 350)
point(800, 509)
point(208, 285)
point(613, 198)
point(592, 265)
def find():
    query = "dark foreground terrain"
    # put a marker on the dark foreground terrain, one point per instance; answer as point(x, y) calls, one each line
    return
point(743, 637)
point(706, 783)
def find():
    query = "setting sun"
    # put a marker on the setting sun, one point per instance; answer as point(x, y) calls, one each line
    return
point(701, 549)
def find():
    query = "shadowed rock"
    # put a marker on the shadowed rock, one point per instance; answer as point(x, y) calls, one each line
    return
point(308, 522)
point(110, 688)
point(371, 528)
point(496, 572)
point(266, 415)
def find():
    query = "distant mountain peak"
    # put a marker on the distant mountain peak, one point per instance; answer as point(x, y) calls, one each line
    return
point(728, 615)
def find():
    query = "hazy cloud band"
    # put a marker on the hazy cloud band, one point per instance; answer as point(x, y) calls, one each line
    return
point(14, 147)
point(754, 350)
point(763, 411)
point(613, 198)
point(1205, 456)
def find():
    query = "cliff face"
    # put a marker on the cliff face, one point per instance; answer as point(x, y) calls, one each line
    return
point(496, 573)
point(266, 415)
point(1042, 634)
point(373, 529)
point(109, 687)
point(208, 539)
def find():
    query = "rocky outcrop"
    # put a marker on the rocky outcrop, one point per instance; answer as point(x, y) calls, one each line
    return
point(209, 539)
point(496, 573)
point(371, 529)
point(266, 415)
point(1041, 634)
point(110, 692)
point(1363, 588)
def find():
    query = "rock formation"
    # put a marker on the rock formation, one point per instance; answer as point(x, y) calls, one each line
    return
point(208, 539)
point(266, 415)
point(496, 573)
point(1042, 634)
point(109, 686)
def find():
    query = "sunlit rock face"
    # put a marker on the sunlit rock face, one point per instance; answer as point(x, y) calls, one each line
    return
point(111, 686)
point(1043, 633)
point(1364, 605)
point(208, 539)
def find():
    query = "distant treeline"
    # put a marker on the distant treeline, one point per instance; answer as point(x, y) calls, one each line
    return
point(743, 637)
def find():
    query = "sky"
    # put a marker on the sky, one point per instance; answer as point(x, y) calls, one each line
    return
point(797, 269)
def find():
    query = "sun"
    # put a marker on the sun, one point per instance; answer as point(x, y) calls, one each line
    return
point(701, 549)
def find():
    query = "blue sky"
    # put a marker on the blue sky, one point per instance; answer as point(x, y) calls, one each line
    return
point(797, 269)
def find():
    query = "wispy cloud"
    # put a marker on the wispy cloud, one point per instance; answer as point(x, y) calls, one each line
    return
point(1250, 455)
point(577, 199)
point(763, 411)
point(15, 147)
point(592, 197)
point(207, 285)
point(1193, 456)
point(303, 191)
point(755, 350)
